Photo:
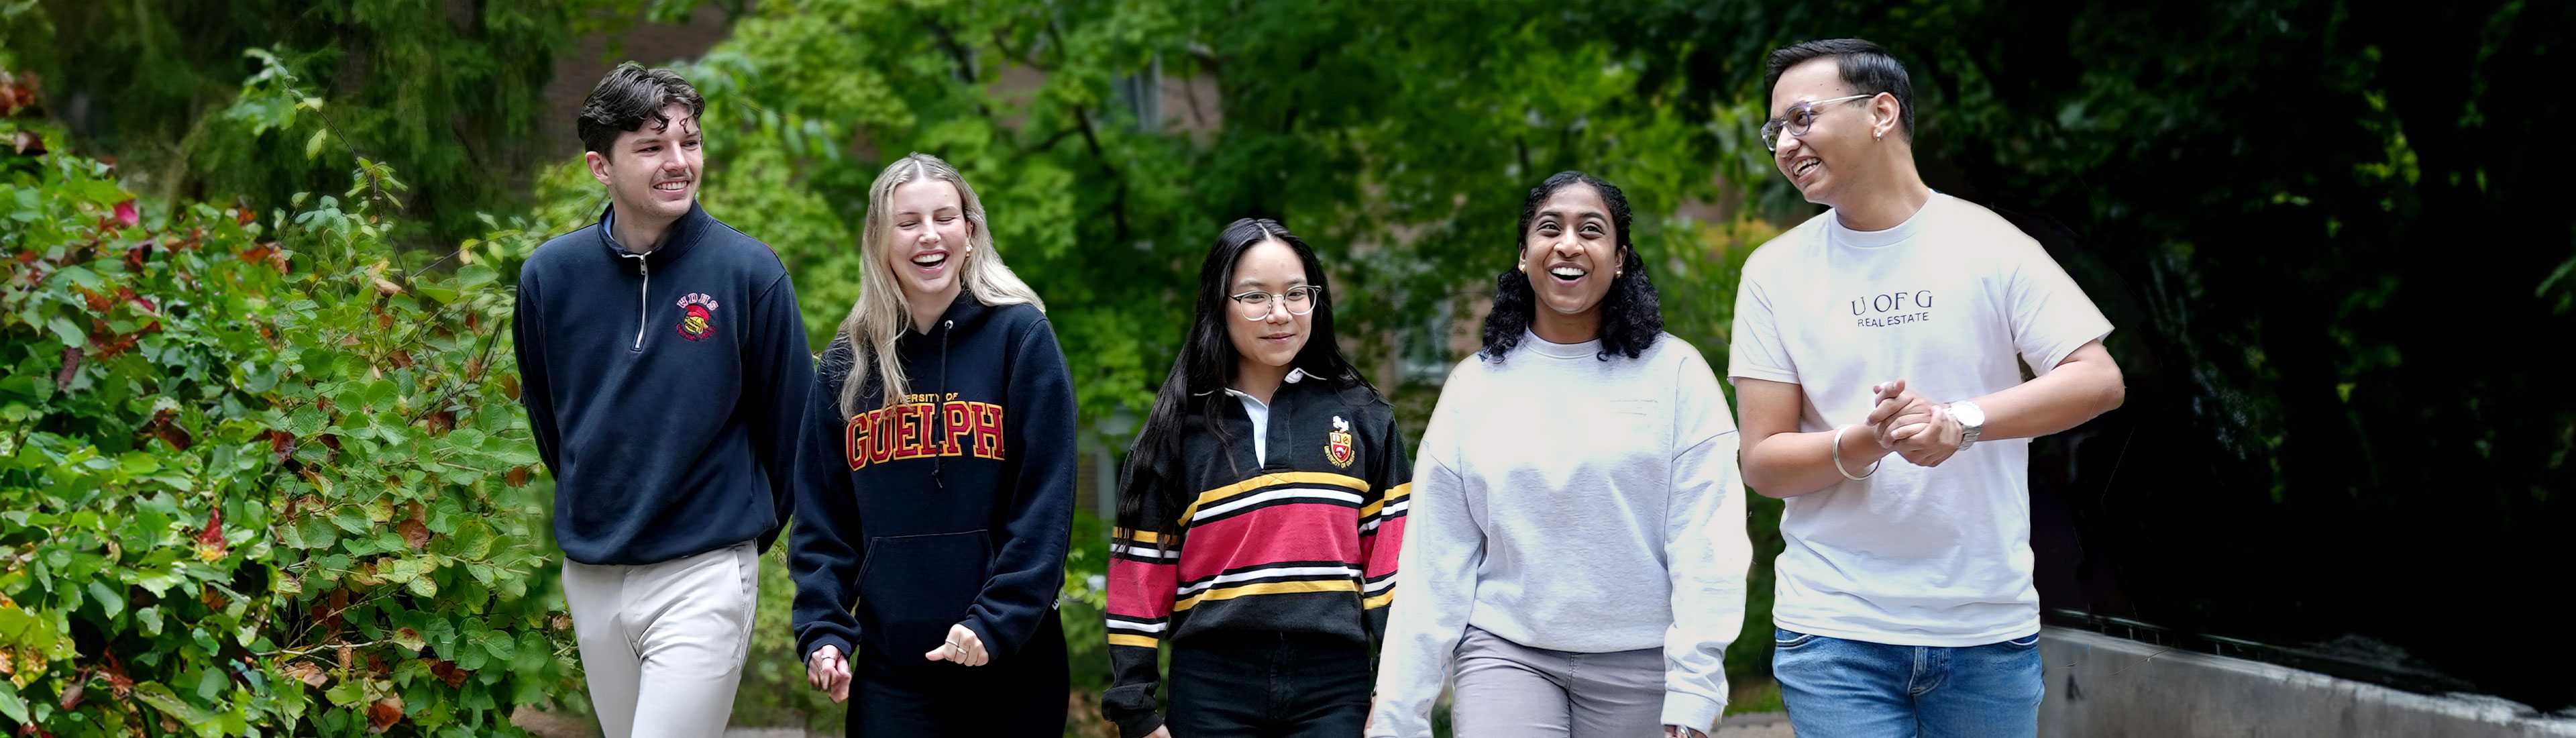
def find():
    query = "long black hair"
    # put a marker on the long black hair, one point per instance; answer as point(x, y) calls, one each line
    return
point(1631, 315)
point(1207, 362)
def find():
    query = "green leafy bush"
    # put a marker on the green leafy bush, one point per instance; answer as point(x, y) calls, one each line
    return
point(261, 476)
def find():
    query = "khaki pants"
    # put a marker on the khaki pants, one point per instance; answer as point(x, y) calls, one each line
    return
point(662, 644)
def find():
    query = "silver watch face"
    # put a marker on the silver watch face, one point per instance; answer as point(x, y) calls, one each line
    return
point(1971, 417)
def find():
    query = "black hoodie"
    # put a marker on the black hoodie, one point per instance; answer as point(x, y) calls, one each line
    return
point(953, 506)
point(663, 389)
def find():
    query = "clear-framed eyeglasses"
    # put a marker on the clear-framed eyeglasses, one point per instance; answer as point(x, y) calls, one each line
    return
point(1800, 117)
point(1256, 304)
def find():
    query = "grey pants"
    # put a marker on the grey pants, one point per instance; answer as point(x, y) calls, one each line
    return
point(1507, 690)
point(662, 644)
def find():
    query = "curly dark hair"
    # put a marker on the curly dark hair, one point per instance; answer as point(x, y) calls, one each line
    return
point(1631, 315)
point(626, 98)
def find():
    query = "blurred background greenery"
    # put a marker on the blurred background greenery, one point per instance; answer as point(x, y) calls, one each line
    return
point(2326, 229)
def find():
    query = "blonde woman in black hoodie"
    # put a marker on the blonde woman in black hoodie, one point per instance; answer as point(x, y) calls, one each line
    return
point(935, 481)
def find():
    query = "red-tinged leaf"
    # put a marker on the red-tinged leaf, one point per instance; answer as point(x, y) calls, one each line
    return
point(111, 347)
point(71, 368)
point(118, 683)
point(414, 533)
point(279, 446)
point(440, 422)
point(28, 256)
point(517, 477)
point(383, 714)
point(447, 672)
point(174, 435)
point(126, 214)
point(214, 532)
point(306, 672)
point(348, 657)
point(134, 257)
point(400, 358)
point(242, 214)
point(259, 252)
point(98, 303)
point(510, 386)
point(210, 542)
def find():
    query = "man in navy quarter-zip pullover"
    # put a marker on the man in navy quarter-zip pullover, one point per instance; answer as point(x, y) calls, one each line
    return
point(664, 368)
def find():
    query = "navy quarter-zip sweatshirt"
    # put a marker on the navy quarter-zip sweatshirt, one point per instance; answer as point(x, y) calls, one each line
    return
point(953, 505)
point(664, 389)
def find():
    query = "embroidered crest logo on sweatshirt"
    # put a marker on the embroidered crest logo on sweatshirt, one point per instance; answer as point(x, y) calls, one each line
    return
point(1337, 444)
point(697, 321)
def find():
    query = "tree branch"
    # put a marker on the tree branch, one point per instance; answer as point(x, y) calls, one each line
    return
point(1118, 199)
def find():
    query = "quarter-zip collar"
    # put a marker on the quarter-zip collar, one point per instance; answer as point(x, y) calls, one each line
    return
point(676, 242)
point(683, 235)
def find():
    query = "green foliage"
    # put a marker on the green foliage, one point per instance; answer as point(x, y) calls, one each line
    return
point(261, 479)
point(448, 92)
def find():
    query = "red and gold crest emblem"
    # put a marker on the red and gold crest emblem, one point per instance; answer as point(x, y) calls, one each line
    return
point(1337, 444)
point(697, 317)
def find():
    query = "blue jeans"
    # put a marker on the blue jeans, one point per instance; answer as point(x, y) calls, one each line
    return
point(1838, 688)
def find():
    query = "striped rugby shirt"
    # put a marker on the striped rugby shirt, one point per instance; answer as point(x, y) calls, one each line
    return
point(1305, 543)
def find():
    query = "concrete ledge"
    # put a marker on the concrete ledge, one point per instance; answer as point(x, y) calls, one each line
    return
point(2104, 686)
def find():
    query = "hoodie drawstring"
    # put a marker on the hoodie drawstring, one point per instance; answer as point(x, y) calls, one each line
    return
point(939, 410)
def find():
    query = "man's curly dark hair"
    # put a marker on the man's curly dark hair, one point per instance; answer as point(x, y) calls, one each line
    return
point(1631, 315)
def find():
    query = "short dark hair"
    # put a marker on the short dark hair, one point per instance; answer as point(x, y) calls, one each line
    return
point(1866, 67)
point(1631, 313)
point(626, 97)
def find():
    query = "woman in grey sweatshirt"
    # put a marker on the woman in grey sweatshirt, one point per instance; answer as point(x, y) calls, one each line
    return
point(1576, 555)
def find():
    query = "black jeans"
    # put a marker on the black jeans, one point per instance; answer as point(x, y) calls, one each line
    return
point(905, 695)
point(1271, 685)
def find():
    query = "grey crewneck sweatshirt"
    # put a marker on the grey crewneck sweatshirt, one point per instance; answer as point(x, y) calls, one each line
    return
point(1566, 502)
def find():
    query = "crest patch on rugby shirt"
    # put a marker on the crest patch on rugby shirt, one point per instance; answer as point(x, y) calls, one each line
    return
point(697, 321)
point(1337, 444)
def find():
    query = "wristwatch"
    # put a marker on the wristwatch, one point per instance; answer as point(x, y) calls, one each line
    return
point(1972, 422)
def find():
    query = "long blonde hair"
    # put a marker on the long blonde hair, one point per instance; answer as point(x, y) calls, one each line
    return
point(879, 317)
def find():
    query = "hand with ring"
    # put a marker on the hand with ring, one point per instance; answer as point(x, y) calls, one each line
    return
point(962, 647)
point(829, 671)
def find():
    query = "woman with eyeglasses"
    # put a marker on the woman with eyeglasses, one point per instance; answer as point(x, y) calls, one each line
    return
point(1577, 554)
point(1259, 513)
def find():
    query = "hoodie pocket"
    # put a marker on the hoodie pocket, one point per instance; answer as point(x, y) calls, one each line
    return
point(914, 587)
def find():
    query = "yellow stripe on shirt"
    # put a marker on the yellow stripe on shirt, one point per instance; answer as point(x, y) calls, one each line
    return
point(1263, 588)
point(1272, 480)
